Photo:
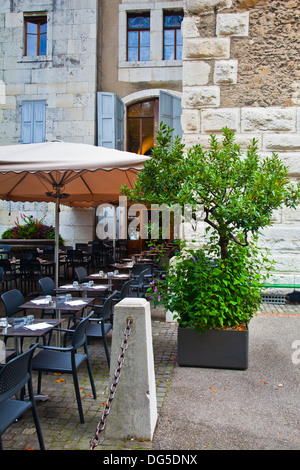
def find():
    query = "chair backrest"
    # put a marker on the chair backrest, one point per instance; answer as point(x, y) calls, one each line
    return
point(12, 300)
point(30, 266)
point(81, 246)
point(81, 274)
point(1, 273)
point(15, 374)
point(138, 268)
point(140, 280)
point(106, 311)
point(125, 289)
point(47, 286)
point(5, 264)
point(79, 338)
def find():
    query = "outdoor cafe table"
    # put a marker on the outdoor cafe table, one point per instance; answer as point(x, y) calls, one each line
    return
point(96, 289)
point(75, 304)
point(36, 329)
point(106, 277)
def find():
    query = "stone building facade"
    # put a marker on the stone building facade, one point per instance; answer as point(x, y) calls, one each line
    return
point(50, 94)
point(241, 70)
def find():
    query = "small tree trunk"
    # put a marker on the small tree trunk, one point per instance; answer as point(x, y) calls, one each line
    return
point(223, 243)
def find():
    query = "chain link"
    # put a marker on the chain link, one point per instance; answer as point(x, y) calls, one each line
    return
point(102, 423)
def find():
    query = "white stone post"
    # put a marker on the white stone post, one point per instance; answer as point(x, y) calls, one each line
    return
point(134, 410)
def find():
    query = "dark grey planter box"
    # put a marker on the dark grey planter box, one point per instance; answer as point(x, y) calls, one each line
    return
point(225, 349)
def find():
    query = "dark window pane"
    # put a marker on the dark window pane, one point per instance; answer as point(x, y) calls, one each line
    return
point(43, 45)
point(133, 54)
point(169, 38)
point(147, 136)
point(169, 53)
point(44, 28)
point(145, 53)
point(133, 39)
point(171, 21)
point(178, 37)
point(147, 108)
point(31, 45)
point(32, 28)
point(179, 52)
point(138, 22)
point(145, 38)
point(133, 135)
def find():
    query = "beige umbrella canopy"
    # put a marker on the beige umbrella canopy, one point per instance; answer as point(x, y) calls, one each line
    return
point(77, 175)
point(83, 175)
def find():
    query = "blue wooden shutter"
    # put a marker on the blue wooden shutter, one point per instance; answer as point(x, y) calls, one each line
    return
point(33, 122)
point(170, 111)
point(39, 121)
point(110, 120)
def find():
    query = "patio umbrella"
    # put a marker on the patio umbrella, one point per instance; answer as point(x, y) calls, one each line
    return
point(77, 175)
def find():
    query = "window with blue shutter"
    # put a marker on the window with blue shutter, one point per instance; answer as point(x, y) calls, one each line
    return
point(110, 120)
point(33, 122)
point(170, 111)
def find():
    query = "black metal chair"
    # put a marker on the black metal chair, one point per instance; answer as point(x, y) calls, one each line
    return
point(14, 376)
point(1, 279)
point(124, 292)
point(12, 300)
point(99, 326)
point(81, 274)
point(47, 286)
point(5, 251)
point(66, 360)
point(30, 273)
point(76, 258)
point(10, 275)
point(137, 284)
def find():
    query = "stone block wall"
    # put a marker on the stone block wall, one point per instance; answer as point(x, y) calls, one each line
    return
point(75, 225)
point(240, 70)
point(65, 77)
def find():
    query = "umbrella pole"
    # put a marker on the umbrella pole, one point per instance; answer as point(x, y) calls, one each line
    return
point(58, 312)
point(56, 251)
point(114, 232)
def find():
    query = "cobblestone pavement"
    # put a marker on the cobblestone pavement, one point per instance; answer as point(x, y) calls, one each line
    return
point(59, 415)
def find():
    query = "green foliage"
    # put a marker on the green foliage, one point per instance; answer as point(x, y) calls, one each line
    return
point(239, 191)
point(161, 179)
point(204, 291)
point(219, 286)
point(31, 228)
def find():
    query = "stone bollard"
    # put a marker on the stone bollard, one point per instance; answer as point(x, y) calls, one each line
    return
point(134, 410)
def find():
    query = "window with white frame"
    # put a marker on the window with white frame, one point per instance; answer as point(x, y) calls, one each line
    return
point(150, 42)
point(138, 37)
point(35, 35)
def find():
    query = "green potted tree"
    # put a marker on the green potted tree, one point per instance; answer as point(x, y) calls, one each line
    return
point(216, 287)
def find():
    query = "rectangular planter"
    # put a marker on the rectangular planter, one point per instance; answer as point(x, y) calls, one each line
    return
point(226, 349)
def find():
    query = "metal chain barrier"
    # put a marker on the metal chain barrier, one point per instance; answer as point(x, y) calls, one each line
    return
point(102, 423)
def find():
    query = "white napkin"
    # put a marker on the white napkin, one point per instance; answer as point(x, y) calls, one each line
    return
point(39, 301)
point(75, 302)
point(38, 326)
point(69, 286)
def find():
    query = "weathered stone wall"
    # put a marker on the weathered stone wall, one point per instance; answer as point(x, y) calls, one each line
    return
point(65, 77)
point(241, 70)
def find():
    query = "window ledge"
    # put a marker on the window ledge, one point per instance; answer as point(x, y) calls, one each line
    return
point(151, 63)
point(40, 58)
